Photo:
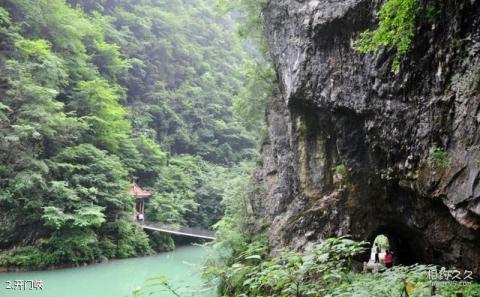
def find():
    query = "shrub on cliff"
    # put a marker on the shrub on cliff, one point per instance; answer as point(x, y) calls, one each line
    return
point(396, 29)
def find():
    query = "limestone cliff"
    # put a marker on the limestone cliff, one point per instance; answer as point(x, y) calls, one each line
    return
point(350, 141)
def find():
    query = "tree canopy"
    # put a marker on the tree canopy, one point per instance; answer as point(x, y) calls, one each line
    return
point(94, 93)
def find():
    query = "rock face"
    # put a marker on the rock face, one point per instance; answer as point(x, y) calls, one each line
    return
point(351, 143)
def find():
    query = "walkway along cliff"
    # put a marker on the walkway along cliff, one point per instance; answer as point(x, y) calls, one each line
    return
point(355, 148)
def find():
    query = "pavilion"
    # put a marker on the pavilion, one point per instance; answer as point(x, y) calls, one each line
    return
point(140, 197)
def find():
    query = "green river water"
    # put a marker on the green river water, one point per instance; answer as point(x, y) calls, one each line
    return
point(117, 278)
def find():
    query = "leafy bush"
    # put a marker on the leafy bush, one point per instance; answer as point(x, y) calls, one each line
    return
point(393, 282)
point(161, 242)
point(27, 256)
point(325, 270)
point(291, 273)
point(231, 230)
point(396, 30)
point(132, 241)
point(471, 290)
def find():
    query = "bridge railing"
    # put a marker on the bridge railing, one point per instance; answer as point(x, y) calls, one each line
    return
point(181, 229)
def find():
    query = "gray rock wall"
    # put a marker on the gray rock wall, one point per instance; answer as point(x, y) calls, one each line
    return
point(336, 109)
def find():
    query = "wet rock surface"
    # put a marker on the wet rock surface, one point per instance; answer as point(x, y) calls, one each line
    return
point(337, 108)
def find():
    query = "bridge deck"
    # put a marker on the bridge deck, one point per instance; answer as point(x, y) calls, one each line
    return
point(178, 230)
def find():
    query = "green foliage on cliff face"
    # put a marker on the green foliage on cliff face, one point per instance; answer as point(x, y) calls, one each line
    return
point(396, 29)
point(93, 93)
point(340, 170)
point(439, 157)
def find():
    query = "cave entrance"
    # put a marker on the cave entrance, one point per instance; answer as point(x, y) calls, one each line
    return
point(378, 252)
point(402, 241)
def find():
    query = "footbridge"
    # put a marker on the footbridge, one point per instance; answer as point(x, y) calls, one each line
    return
point(139, 215)
point(178, 230)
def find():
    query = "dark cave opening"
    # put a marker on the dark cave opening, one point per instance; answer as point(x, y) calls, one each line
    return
point(405, 243)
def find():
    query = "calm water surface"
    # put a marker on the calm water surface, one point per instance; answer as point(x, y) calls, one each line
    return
point(117, 278)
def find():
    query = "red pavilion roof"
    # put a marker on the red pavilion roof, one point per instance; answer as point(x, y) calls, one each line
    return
point(136, 191)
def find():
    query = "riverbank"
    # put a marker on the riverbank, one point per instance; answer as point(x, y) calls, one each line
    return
point(158, 243)
point(118, 277)
point(61, 266)
point(178, 244)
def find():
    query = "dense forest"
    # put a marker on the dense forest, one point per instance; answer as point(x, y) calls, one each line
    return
point(96, 93)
